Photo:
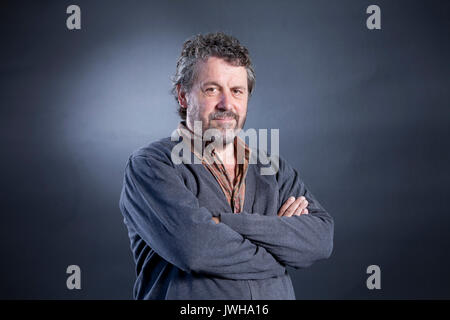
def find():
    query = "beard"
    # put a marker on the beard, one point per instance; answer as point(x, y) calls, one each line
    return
point(210, 129)
point(227, 130)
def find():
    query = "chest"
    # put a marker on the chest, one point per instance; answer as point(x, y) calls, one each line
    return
point(231, 172)
point(261, 191)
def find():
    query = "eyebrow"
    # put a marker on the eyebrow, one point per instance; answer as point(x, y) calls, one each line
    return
point(210, 83)
point(218, 85)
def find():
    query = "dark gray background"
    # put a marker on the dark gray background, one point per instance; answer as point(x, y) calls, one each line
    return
point(363, 115)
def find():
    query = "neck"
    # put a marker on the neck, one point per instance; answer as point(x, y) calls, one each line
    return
point(226, 153)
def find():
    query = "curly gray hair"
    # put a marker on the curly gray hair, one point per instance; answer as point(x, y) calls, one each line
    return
point(201, 47)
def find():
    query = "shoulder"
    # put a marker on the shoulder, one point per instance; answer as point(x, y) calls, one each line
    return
point(151, 162)
point(158, 150)
point(156, 154)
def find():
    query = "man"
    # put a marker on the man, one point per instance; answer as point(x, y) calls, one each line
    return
point(217, 228)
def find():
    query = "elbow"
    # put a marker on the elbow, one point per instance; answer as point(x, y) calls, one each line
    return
point(319, 249)
point(326, 244)
point(201, 260)
point(321, 252)
point(326, 249)
point(186, 259)
point(193, 264)
point(198, 264)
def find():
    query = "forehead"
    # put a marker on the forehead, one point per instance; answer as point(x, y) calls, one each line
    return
point(217, 69)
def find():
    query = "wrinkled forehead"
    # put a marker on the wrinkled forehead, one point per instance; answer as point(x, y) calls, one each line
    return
point(218, 70)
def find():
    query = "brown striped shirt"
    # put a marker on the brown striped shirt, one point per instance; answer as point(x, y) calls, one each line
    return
point(234, 192)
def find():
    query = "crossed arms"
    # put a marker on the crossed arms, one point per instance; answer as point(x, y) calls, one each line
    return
point(167, 215)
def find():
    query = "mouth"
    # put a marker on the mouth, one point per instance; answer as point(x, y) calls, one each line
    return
point(223, 119)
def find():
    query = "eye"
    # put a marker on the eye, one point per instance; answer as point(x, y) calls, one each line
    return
point(211, 90)
point(237, 91)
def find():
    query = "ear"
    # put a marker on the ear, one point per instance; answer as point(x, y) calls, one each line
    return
point(181, 97)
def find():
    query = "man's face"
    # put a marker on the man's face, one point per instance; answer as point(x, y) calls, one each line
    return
point(218, 97)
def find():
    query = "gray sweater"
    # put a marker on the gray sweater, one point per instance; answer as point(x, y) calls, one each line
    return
point(181, 253)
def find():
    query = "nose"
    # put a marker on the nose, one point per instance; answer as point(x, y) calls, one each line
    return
point(226, 102)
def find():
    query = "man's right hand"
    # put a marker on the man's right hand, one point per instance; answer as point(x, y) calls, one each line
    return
point(294, 207)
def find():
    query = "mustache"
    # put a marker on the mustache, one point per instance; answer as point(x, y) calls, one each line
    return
point(221, 115)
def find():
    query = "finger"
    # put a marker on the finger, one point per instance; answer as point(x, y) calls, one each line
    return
point(286, 205)
point(293, 207)
point(302, 209)
point(303, 204)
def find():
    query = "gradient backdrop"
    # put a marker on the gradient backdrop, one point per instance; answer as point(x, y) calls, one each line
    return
point(363, 115)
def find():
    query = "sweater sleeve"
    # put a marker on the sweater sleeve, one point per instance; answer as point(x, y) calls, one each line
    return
point(167, 215)
point(296, 241)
